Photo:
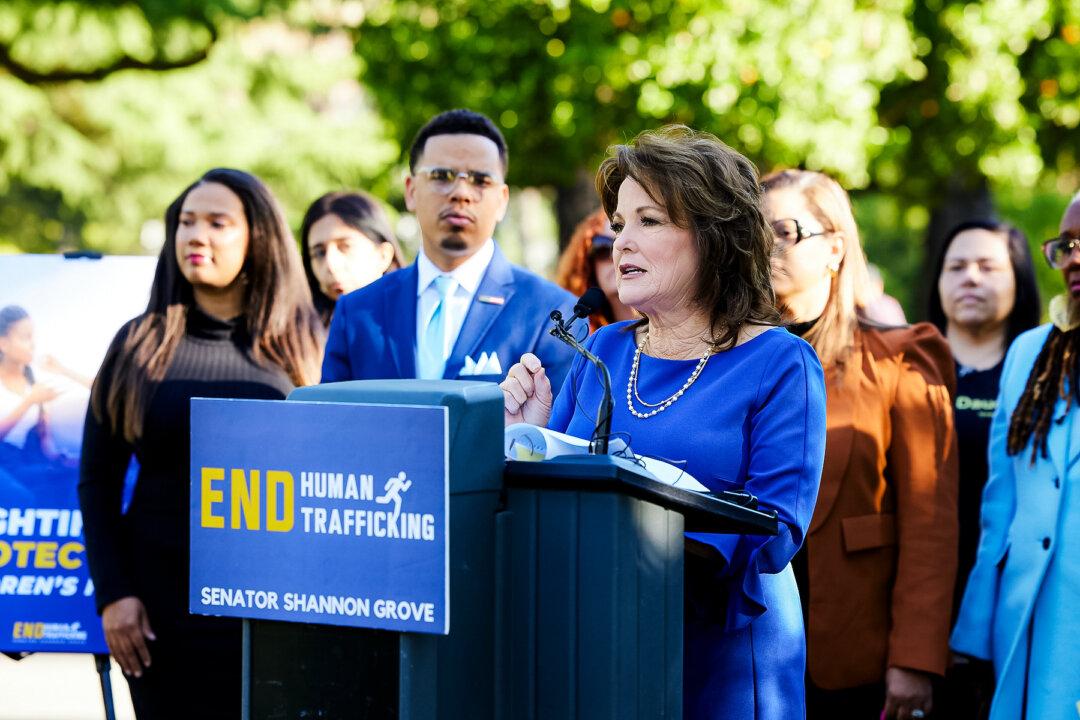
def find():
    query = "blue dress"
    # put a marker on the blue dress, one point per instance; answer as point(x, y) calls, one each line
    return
point(753, 420)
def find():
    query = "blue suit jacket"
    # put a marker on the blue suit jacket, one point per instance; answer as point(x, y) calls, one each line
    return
point(373, 332)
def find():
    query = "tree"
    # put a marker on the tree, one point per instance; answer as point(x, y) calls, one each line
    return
point(995, 112)
point(90, 152)
point(925, 102)
point(920, 107)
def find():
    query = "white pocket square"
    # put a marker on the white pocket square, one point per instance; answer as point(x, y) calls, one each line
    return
point(486, 364)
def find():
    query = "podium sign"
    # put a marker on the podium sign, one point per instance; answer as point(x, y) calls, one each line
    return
point(320, 513)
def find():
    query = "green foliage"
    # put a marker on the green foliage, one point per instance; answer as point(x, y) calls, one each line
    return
point(1038, 213)
point(903, 100)
point(89, 163)
point(892, 238)
point(892, 234)
point(566, 79)
point(894, 95)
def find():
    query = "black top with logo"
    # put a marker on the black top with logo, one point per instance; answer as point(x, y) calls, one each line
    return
point(976, 400)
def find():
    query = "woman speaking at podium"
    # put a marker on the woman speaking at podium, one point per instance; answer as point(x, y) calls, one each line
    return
point(706, 380)
point(229, 316)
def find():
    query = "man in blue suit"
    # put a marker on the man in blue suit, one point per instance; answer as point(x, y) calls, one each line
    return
point(461, 311)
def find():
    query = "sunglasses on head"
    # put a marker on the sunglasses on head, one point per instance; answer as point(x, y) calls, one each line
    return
point(600, 248)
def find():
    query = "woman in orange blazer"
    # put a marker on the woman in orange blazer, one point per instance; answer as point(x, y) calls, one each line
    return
point(877, 569)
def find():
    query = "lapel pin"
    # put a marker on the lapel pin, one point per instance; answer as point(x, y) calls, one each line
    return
point(491, 299)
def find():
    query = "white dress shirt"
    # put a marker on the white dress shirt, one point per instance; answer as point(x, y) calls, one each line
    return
point(468, 276)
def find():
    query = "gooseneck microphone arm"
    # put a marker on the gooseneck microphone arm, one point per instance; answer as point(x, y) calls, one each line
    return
point(562, 330)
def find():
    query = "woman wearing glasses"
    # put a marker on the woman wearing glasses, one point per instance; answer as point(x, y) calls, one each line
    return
point(345, 243)
point(877, 569)
point(1019, 608)
point(587, 263)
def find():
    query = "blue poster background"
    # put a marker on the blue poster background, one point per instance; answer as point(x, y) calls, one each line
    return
point(73, 309)
point(355, 576)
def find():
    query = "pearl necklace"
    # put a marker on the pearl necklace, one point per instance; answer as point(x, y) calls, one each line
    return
point(632, 389)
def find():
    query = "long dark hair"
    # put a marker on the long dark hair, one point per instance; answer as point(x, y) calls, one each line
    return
point(8, 317)
point(281, 325)
point(361, 212)
point(713, 191)
point(1027, 307)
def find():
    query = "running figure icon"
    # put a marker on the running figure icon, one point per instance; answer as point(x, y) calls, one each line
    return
point(392, 492)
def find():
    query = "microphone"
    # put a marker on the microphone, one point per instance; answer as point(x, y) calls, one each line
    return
point(590, 302)
point(585, 306)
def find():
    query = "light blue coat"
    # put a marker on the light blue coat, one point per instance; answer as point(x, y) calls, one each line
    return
point(1021, 608)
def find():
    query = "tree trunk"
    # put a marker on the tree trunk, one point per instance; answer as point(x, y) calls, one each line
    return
point(573, 203)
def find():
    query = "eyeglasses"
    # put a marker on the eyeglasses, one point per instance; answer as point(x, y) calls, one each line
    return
point(788, 232)
point(1058, 251)
point(443, 179)
point(600, 249)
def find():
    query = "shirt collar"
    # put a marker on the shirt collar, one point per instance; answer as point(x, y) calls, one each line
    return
point(468, 275)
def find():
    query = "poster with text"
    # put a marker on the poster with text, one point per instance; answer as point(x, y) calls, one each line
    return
point(328, 513)
point(57, 318)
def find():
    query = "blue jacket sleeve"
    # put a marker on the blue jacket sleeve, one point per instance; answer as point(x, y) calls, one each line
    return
point(336, 367)
point(787, 451)
point(562, 410)
point(565, 404)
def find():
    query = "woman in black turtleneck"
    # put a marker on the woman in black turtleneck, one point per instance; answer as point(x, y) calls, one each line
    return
point(230, 315)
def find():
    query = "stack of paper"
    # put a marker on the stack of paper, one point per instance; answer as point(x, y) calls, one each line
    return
point(523, 441)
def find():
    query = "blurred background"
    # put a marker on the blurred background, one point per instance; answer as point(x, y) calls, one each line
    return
point(930, 111)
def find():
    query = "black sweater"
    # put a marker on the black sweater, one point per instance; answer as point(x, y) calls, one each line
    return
point(210, 361)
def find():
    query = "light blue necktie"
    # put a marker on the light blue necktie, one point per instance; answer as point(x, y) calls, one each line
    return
point(431, 358)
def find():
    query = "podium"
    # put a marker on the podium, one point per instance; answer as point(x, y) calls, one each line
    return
point(590, 587)
point(296, 670)
point(565, 590)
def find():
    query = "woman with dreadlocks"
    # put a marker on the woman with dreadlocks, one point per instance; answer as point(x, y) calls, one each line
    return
point(1020, 606)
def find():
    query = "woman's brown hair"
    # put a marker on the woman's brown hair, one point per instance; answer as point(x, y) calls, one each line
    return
point(577, 267)
point(834, 333)
point(281, 325)
point(713, 191)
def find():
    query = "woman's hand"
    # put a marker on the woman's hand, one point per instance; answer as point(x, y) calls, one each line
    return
point(907, 691)
point(127, 628)
point(51, 364)
point(41, 393)
point(527, 394)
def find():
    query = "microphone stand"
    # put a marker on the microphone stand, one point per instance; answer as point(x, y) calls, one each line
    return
point(599, 443)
